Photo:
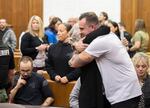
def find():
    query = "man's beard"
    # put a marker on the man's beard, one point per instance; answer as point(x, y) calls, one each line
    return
point(2, 27)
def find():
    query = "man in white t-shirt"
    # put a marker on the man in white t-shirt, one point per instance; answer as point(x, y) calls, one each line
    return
point(120, 81)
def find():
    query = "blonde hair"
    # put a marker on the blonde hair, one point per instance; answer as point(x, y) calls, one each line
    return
point(141, 56)
point(41, 29)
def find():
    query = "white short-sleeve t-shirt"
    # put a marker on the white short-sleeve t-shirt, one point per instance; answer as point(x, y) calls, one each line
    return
point(117, 70)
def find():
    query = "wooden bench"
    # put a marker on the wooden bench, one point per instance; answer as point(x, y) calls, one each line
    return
point(17, 56)
point(61, 93)
point(46, 75)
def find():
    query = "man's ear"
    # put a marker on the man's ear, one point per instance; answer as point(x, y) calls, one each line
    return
point(94, 27)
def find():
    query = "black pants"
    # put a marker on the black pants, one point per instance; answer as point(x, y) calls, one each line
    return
point(131, 103)
point(106, 102)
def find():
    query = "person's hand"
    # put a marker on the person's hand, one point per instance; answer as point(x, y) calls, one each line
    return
point(57, 78)
point(64, 80)
point(125, 42)
point(42, 47)
point(80, 46)
point(47, 47)
point(21, 82)
point(40, 72)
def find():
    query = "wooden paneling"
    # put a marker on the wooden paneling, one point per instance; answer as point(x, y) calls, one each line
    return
point(133, 9)
point(6, 10)
point(18, 12)
point(144, 13)
point(37, 8)
point(129, 13)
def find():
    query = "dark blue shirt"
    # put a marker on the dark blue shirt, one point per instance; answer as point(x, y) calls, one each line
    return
point(34, 92)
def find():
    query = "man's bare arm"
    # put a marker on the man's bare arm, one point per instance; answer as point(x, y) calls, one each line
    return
point(13, 92)
point(81, 59)
point(80, 46)
point(48, 101)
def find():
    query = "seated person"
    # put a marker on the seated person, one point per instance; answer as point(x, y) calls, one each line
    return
point(58, 57)
point(29, 88)
point(141, 63)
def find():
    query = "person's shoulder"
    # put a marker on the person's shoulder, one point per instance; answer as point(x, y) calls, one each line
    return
point(37, 76)
point(105, 27)
point(53, 46)
point(107, 36)
point(139, 32)
point(148, 77)
point(9, 30)
point(49, 32)
point(27, 35)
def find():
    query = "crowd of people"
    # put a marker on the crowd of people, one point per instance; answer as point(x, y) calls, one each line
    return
point(109, 65)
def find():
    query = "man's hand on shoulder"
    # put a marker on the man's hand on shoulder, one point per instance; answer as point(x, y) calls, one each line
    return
point(80, 46)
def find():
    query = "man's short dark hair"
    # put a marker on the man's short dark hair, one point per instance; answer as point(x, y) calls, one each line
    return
point(91, 18)
point(26, 59)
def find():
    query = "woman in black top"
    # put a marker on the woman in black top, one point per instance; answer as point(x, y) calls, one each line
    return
point(33, 43)
point(58, 57)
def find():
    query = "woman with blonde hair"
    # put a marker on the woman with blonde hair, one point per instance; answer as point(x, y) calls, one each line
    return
point(34, 44)
point(141, 63)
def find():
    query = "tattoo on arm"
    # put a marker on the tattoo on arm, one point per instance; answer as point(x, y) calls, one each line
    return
point(80, 60)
